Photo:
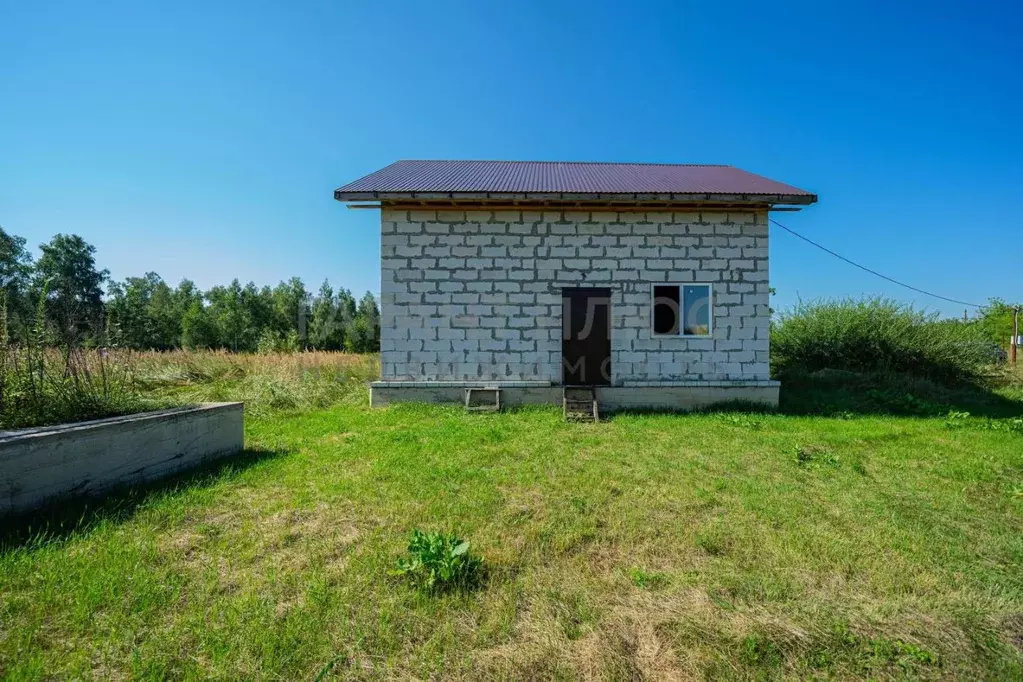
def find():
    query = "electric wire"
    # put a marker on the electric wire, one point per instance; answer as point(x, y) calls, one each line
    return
point(873, 272)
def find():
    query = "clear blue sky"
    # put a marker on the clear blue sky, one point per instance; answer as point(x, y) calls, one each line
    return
point(203, 139)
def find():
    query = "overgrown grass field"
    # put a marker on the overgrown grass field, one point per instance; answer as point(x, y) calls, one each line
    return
point(269, 384)
point(706, 546)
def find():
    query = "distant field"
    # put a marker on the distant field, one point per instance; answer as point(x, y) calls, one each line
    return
point(711, 546)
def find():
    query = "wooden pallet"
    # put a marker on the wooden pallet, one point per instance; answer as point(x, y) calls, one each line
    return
point(491, 399)
point(580, 404)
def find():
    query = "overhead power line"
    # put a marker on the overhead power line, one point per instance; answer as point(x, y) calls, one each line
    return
point(873, 272)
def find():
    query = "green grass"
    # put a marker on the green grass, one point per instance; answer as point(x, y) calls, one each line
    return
point(717, 546)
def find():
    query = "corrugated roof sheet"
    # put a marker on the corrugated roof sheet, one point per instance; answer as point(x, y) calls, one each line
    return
point(567, 177)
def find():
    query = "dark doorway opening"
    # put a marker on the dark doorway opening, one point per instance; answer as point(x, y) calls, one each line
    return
point(586, 337)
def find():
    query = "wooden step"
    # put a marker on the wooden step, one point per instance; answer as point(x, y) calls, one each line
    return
point(578, 393)
point(580, 404)
point(482, 399)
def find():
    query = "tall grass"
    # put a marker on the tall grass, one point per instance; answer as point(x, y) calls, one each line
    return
point(266, 382)
point(44, 386)
point(875, 335)
point(41, 385)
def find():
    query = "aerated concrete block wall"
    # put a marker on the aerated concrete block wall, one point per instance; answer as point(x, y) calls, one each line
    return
point(476, 295)
point(43, 464)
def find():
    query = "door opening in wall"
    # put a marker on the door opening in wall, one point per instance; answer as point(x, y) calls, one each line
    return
point(586, 337)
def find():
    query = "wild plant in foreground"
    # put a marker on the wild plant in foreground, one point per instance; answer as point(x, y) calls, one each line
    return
point(439, 561)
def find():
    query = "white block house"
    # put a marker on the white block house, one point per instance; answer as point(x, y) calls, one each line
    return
point(647, 282)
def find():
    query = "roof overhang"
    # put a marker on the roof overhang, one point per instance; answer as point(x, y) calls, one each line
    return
point(579, 199)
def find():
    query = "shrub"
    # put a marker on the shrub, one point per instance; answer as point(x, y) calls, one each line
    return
point(439, 561)
point(875, 335)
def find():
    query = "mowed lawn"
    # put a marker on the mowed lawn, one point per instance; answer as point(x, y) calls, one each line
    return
point(712, 546)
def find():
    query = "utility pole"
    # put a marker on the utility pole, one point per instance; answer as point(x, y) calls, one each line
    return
point(1015, 334)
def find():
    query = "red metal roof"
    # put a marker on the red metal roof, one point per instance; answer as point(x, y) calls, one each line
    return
point(542, 177)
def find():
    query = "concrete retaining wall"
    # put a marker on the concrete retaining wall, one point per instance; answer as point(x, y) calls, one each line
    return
point(666, 396)
point(86, 458)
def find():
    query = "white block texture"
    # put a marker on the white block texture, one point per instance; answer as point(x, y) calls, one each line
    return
point(476, 295)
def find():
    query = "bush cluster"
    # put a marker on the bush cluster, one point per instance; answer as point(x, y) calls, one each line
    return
point(876, 335)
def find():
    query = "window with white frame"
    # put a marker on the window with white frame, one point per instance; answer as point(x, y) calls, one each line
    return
point(682, 310)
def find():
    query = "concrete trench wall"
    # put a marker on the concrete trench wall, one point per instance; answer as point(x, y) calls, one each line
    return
point(476, 294)
point(43, 464)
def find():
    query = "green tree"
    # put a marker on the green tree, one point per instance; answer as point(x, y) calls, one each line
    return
point(364, 331)
point(74, 300)
point(347, 308)
point(15, 275)
point(185, 295)
point(232, 318)
point(291, 308)
point(327, 325)
point(126, 314)
point(143, 313)
point(198, 330)
point(996, 321)
point(259, 306)
point(164, 316)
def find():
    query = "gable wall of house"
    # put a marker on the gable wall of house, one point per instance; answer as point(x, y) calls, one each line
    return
point(476, 295)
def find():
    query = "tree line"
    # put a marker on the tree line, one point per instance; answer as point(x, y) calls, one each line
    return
point(66, 297)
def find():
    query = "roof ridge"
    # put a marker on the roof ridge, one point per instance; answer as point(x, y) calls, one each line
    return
point(578, 163)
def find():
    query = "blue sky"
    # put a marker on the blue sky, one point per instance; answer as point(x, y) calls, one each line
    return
point(203, 140)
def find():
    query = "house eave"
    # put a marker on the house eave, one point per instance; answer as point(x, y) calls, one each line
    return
point(579, 199)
